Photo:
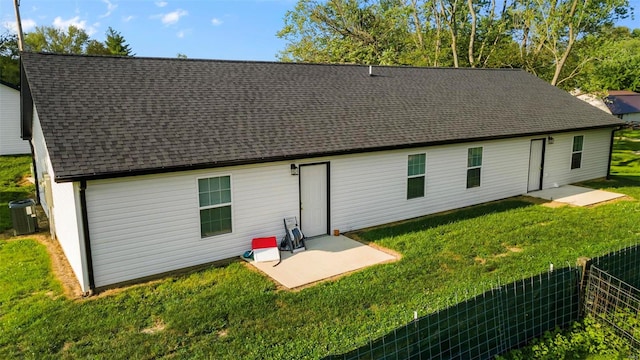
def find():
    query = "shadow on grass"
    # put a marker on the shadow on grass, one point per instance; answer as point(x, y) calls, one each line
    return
point(615, 182)
point(432, 221)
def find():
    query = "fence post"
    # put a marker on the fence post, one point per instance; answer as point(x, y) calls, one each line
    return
point(583, 265)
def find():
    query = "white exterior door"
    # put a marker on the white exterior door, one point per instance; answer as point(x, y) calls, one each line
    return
point(536, 157)
point(313, 199)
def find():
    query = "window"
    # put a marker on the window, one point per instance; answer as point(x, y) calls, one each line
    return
point(474, 164)
point(416, 171)
point(576, 154)
point(215, 205)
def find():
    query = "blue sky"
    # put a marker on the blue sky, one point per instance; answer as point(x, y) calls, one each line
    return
point(213, 29)
point(208, 29)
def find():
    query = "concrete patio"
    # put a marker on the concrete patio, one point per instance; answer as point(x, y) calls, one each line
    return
point(326, 257)
point(575, 195)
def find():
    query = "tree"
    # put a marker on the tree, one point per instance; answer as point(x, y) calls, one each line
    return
point(50, 39)
point(116, 44)
point(54, 40)
point(545, 37)
point(9, 59)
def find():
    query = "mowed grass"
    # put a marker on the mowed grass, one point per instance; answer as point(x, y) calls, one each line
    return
point(625, 159)
point(234, 312)
point(12, 169)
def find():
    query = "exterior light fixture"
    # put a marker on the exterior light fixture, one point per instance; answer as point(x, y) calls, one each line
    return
point(551, 139)
point(294, 169)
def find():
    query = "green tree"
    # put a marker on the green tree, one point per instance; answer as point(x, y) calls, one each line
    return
point(614, 63)
point(50, 39)
point(116, 44)
point(9, 59)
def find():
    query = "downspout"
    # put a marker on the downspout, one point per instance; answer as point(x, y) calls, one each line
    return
point(613, 132)
point(35, 172)
point(87, 240)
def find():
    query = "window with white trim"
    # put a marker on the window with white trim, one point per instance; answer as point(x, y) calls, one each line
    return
point(215, 205)
point(416, 175)
point(474, 166)
point(576, 152)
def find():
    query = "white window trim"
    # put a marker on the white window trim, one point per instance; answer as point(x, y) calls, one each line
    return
point(233, 224)
point(581, 152)
point(474, 167)
point(424, 175)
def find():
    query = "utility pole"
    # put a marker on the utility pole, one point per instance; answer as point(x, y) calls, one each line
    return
point(16, 4)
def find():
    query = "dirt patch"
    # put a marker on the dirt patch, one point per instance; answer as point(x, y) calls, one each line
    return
point(480, 260)
point(157, 327)
point(554, 204)
point(59, 264)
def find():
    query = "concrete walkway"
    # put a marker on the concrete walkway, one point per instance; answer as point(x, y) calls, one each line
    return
point(575, 195)
point(325, 257)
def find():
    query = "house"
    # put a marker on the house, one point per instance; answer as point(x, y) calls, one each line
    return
point(150, 165)
point(10, 141)
point(624, 104)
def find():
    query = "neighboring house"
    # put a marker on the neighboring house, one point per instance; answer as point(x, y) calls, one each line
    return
point(592, 99)
point(152, 165)
point(624, 104)
point(10, 141)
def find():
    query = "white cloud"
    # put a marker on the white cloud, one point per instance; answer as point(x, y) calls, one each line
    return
point(216, 22)
point(59, 23)
point(173, 17)
point(161, 3)
point(27, 25)
point(110, 7)
point(181, 34)
point(128, 18)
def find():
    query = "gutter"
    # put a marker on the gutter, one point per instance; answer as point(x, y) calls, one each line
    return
point(293, 157)
point(87, 240)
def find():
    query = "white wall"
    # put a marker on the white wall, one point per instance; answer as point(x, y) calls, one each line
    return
point(65, 208)
point(634, 117)
point(595, 158)
point(10, 141)
point(150, 224)
point(145, 225)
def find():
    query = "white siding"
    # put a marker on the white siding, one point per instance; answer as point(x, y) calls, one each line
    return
point(633, 117)
point(595, 158)
point(10, 141)
point(377, 182)
point(146, 225)
point(66, 208)
point(41, 157)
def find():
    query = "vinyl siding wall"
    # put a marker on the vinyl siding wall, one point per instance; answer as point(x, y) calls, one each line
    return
point(65, 208)
point(10, 141)
point(633, 117)
point(146, 225)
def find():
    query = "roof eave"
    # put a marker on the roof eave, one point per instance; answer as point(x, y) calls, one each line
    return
point(293, 157)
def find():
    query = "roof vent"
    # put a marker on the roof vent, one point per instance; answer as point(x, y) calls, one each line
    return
point(370, 70)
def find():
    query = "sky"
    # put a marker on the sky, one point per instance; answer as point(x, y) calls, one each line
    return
point(205, 29)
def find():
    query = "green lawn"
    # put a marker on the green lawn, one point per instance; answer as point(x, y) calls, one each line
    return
point(12, 169)
point(233, 312)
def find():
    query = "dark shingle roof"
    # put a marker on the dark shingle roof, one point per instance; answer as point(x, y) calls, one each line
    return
point(112, 116)
point(621, 103)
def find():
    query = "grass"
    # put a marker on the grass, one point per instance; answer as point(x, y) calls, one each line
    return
point(12, 170)
point(625, 159)
point(233, 312)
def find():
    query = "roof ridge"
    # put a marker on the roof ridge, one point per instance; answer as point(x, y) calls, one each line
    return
point(268, 62)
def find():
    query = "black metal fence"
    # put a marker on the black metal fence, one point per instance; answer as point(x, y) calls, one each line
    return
point(612, 296)
point(486, 325)
point(507, 317)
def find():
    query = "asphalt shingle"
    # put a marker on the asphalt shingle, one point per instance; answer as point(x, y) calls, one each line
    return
point(115, 116)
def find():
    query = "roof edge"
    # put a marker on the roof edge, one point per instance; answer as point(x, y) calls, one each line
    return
point(215, 165)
